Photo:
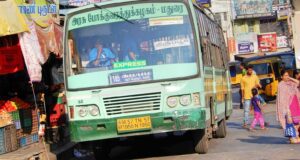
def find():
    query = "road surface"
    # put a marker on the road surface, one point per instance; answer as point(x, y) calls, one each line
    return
point(239, 144)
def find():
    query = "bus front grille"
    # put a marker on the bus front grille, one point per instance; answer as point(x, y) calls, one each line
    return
point(147, 102)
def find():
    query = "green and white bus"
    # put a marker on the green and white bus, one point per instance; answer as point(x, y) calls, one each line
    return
point(140, 67)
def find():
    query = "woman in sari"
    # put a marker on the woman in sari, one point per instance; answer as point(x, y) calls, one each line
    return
point(287, 102)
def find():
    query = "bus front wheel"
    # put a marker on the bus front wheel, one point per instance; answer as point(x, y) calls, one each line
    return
point(200, 138)
point(221, 132)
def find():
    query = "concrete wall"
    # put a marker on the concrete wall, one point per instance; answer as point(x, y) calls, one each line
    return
point(242, 26)
point(296, 4)
point(296, 36)
point(222, 7)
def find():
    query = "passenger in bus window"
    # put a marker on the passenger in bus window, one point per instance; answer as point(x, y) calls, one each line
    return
point(100, 56)
point(131, 51)
point(84, 52)
point(129, 47)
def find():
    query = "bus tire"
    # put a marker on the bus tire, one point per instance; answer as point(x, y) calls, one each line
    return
point(200, 138)
point(222, 131)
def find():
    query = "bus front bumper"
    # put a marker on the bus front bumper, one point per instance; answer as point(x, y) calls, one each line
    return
point(180, 120)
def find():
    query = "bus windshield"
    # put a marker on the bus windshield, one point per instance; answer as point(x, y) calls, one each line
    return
point(130, 43)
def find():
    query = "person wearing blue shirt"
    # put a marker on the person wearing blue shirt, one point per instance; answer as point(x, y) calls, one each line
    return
point(130, 50)
point(100, 56)
point(129, 45)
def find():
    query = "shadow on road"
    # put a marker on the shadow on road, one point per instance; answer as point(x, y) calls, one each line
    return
point(236, 125)
point(148, 146)
point(265, 140)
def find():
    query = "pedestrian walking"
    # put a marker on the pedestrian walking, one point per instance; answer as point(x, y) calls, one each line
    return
point(249, 81)
point(287, 106)
point(244, 72)
point(243, 69)
point(258, 114)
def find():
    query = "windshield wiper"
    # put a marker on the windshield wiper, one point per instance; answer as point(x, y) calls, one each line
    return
point(127, 20)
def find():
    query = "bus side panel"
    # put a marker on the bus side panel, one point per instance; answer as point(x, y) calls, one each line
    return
point(229, 108)
point(221, 92)
point(209, 91)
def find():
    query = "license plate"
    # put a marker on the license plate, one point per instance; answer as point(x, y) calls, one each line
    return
point(132, 124)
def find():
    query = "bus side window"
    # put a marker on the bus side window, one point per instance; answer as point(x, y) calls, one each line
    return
point(204, 38)
point(224, 51)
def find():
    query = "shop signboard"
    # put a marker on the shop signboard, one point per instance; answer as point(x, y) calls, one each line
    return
point(283, 12)
point(282, 42)
point(204, 3)
point(246, 43)
point(40, 11)
point(246, 47)
point(252, 8)
point(267, 42)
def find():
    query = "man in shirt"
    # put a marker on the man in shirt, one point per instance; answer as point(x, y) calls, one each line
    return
point(243, 69)
point(100, 56)
point(248, 82)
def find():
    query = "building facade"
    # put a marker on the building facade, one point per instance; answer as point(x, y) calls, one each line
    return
point(295, 30)
point(223, 15)
point(261, 26)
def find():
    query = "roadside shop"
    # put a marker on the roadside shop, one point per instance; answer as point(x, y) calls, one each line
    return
point(31, 78)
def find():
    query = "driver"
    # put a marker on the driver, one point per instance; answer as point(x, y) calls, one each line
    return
point(100, 56)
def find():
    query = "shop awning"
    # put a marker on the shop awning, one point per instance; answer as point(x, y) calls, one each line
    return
point(11, 21)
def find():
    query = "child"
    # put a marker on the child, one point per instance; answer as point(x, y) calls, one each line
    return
point(258, 116)
point(261, 100)
point(262, 103)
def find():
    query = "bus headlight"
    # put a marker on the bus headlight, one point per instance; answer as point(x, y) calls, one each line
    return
point(172, 101)
point(185, 100)
point(94, 110)
point(82, 111)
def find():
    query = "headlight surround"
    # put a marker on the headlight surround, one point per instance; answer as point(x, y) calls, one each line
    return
point(91, 109)
point(94, 110)
point(172, 102)
point(82, 111)
point(185, 100)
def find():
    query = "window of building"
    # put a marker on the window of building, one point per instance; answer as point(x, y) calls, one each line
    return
point(225, 16)
point(272, 25)
point(251, 25)
point(218, 18)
